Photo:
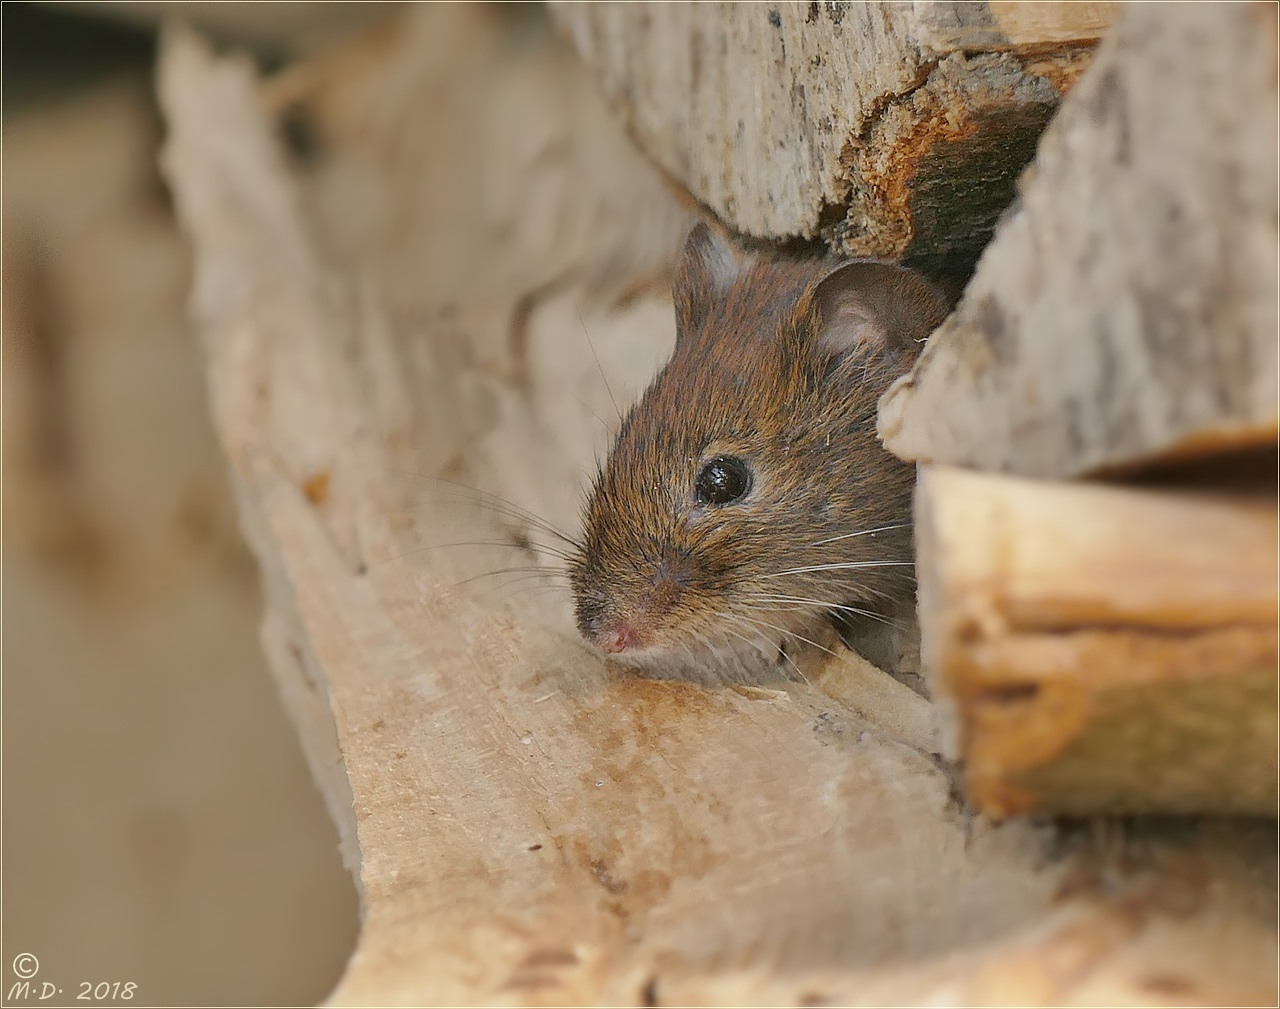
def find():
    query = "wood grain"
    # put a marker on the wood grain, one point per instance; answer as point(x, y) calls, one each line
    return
point(890, 130)
point(530, 825)
point(1107, 649)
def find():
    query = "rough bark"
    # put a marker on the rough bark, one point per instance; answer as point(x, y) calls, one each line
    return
point(1106, 649)
point(1126, 312)
point(889, 130)
point(528, 825)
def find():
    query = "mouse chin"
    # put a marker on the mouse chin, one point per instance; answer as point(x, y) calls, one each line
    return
point(748, 645)
point(714, 649)
point(711, 660)
point(640, 643)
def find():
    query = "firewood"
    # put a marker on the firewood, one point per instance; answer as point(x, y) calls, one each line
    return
point(1126, 313)
point(527, 824)
point(1106, 649)
point(891, 130)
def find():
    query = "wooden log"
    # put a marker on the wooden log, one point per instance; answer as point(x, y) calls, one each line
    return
point(1127, 312)
point(1107, 649)
point(887, 129)
point(529, 825)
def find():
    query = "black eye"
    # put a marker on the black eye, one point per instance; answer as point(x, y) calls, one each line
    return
point(723, 480)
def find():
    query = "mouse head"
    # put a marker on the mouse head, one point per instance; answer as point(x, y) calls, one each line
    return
point(746, 495)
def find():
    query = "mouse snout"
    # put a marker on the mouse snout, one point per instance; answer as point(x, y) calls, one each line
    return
point(626, 632)
point(620, 638)
point(611, 633)
point(629, 621)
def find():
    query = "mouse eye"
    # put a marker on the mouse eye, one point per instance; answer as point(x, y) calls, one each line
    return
point(722, 481)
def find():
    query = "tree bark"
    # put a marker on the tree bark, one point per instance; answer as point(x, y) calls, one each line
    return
point(891, 130)
point(1126, 313)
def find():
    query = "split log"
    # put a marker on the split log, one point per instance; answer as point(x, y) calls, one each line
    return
point(528, 825)
point(892, 130)
point(1106, 649)
point(1126, 313)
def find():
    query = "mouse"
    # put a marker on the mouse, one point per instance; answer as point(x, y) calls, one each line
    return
point(746, 499)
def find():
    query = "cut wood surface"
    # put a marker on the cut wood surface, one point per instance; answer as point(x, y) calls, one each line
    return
point(889, 130)
point(530, 825)
point(1127, 311)
point(1107, 649)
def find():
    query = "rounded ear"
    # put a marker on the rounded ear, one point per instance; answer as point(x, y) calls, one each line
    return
point(708, 266)
point(878, 308)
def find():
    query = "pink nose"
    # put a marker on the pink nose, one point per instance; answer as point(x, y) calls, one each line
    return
point(618, 639)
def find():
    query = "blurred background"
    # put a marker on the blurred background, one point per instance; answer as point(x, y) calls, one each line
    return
point(159, 824)
point(160, 827)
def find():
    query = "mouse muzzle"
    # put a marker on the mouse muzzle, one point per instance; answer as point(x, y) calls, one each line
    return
point(630, 625)
point(619, 639)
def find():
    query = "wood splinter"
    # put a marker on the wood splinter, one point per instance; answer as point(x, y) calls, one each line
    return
point(1107, 649)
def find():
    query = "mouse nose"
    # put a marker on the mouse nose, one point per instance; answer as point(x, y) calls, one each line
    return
point(618, 638)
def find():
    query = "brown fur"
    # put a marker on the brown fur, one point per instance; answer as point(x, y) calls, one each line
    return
point(764, 370)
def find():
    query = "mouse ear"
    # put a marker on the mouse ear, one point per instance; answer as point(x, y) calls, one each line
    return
point(876, 307)
point(708, 266)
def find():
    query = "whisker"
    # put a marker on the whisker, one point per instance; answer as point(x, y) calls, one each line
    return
point(825, 605)
point(878, 617)
point(603, 423)
point(542, 589)
point(799, 600)
point(851, 566)
point(509, 583)
point(817, 602)
point(496, 503)
point(879, 594)
point(503, 512)
point(716, 655)
point(596, 356)
point(548, 572)
point(542, 576)
point(529, 545)
point(509, 511)
point(754, 646)
point(791, 633)
point(526, 590)
point(864, 532)
point(693, 661)
point(792, 662)
point(730, 673)
point(871, 590)
point(780, 650)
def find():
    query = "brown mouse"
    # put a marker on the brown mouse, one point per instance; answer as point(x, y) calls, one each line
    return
point(746, 496)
